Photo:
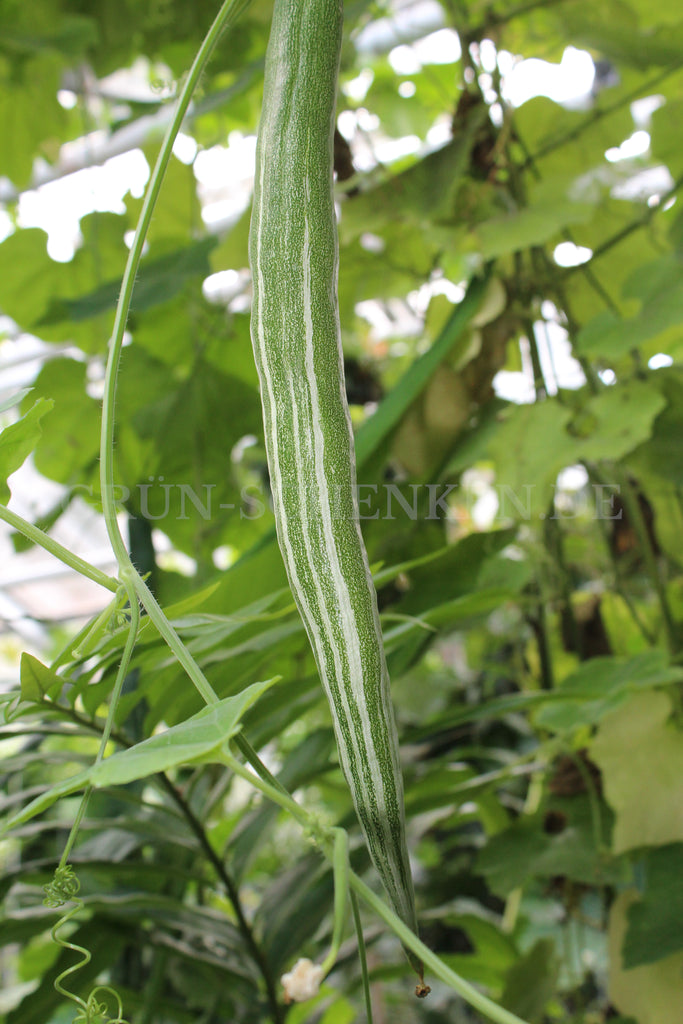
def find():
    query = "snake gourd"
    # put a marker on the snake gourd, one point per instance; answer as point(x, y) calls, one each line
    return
point(309, 443)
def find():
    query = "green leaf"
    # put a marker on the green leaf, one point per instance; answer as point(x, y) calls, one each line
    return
point(655, 927)
point(546, 438)
point(180, 477)
point(408, 115)
point(548, 211)
point(14, 399)
point(198, 738)
point(232, 252)
point(639, 749)
point(658, 463)
point(619, 418)
point(665, 141)
point(526, 850)
point(423, 193)
point(531, 981)
point(367, 275)
point(457, 572)
point(600, 686)
point(30, 281)
point(628, 250)
point(294, 906)
point(665, 498)
point(32, 122)
point(658, 286)
point(177, 212)
point(571, 142)
point(71, 35)
point(613, 30)
point(37, 680)
point(158, 281)
point(661, 455)
point(538, 436)
point(650, 993)
point(339, 1012)
point(491, 709)
point(18, 441)
point(70, 446)
point(459, 610)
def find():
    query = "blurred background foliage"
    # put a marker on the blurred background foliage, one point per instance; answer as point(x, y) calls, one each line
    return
point(512, 319)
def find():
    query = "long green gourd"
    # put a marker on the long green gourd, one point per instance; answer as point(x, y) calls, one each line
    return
point(296, 338)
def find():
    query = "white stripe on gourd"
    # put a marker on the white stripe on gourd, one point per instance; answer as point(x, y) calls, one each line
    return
point(297, 346)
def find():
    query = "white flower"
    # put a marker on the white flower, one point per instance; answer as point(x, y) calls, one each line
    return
point(303, 981)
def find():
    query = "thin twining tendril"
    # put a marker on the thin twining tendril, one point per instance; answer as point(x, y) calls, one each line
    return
point(96, 1013)
point(64, 888)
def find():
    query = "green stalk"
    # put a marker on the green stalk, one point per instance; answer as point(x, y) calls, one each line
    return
point(61, 553)
point(109, 724)
point(168, 633)
point(637, 518)
point(229, 11)
point(362, 956)
point(620, 583)
point(468, 992)
point(341, 868)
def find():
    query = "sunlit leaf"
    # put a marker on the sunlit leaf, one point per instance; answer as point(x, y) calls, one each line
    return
point(639, 749)
point(650, 992)
point(18, 440)
point(31, 119)
point(654, 921)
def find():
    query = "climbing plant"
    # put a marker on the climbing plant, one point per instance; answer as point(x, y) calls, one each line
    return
point(509, 299)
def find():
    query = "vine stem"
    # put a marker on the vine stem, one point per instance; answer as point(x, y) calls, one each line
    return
point(635, 514)
point(109, 723)
point(635, 225)
point(620, 583)
point(365, 974)
point(33, 533)
point(229, 11)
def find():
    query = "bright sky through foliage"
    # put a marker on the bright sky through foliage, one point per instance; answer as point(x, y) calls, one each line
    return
point(58, 206)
